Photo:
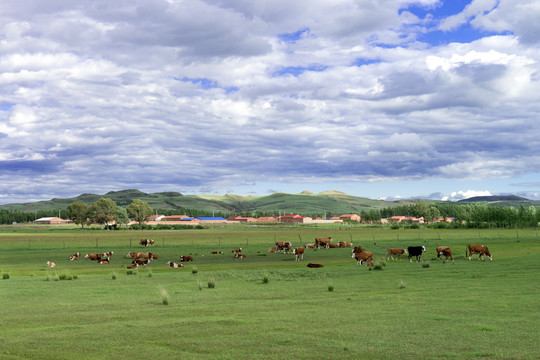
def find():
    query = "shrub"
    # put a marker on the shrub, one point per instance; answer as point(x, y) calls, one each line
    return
point(164, 296)
point(377, 267)
point(194, 271)
point(5, 276)
point(265, 280)
point(131, 272)
point(114, 276)
point(330, 288)
point(425, 266)
point(211, 284)
point(401, 285)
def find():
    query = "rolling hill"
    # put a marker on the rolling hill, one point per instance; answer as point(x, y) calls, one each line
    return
point(305, 202)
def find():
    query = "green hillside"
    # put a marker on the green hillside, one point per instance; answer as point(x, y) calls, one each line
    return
point(305, 202)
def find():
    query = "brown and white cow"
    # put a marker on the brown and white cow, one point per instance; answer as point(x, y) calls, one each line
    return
point(310, 265)
point(283, 246)
point(446, 251)
point(310, 246)
point(333, 246)
point(103, 261)
point(272, 250)
point(344, 244)
point(93, 256)
point(478, 249)
point(174, 265)
point(140, 262)
point(237, 251)
point(142, 256)
point(359, 254)
point(134, 266)
point(395, 251)
point(216, 252)
point(323, 241)
point(107, 254)
point(240, 256)
point(146, 242)
point(50, 264)
point(298, 253)
point(75, 256)
point(186, 258)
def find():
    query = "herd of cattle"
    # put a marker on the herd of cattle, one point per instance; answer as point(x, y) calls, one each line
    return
point(358, 253)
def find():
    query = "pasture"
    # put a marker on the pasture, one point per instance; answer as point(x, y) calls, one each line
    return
point(268, 306)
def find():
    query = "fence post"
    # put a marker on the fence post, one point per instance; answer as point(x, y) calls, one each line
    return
point(64, 243)
point(29, 243)
point(163, 242)
point(96, 242)
point(373, 236)
point(130, 242)
point(247, 240)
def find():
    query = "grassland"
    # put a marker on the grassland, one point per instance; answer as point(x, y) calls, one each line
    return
point(466, 310)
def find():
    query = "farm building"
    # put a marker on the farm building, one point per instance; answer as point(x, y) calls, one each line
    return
point(350, 217)
point(51, 220)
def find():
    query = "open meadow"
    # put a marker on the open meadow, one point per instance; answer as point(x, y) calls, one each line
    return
point(268, 306)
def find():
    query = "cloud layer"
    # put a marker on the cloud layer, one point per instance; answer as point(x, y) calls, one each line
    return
point(201, 96)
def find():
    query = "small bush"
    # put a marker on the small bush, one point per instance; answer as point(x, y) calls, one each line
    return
point(5, 276)
point(194, 271)
point(114, 276)
point(330, 288)
point(164, 296)
point(131, 272)
point(149, 274)
point(425, 266)
point(265, 280)
point(211, 284)
point(75, 277)
point(62, 277)
point(401, 285)
point(378, 267)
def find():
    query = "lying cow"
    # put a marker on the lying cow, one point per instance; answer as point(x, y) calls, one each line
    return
point(298, 253)
point(478, 249)
point(344, 244)
point(50, 264)
point(174, 265)
point(237, 251)
point(107, 254)
point(323, 241)
point(140, 262)
point(333, 246)
point(446, 251)
point(134, 266)
point(216, 252)
point(395, 251)
point(103, 261)
point(416, 251)
point(283, 246)
point(186, 258)
point(75, 256)
point(146, 242)
point(240, 256)
point(272, 250)
point(93, 256)
point(310, 265)
point(141, 255)
point(310, 246)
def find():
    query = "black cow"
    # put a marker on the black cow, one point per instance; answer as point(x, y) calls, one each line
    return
point(416, 251)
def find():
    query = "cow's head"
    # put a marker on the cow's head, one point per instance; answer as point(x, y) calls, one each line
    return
point(423, 248)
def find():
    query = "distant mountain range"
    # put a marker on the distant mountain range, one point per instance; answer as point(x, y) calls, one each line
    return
point(304, 202)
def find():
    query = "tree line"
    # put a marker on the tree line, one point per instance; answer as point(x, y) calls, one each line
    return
point(106, 212)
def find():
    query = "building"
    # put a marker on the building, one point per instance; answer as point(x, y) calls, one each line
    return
point(350, 217)
point(52, 220)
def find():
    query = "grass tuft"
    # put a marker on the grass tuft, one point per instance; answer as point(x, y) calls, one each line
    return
point(265, 280)
point(378, 267)
point(401, 284)
point(425, 265)
point(330, 288)
point(113, 276)
point(211, 285)
point(164, 296)
point(5, 276)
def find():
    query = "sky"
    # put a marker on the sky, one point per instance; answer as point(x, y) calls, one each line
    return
point(381, 99)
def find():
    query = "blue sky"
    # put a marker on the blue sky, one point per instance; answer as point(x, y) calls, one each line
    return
point(386, 100)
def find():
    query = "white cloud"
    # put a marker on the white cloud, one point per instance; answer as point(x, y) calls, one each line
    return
point(460, 195)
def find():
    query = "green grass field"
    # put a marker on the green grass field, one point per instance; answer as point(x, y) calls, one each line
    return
point(466, 310)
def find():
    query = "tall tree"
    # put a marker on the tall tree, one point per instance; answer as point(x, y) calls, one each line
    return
point(103, 211)
point(122, 217)
point(78, 213)
point(139, 211)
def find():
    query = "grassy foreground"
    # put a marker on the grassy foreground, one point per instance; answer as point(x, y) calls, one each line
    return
point(268, 306)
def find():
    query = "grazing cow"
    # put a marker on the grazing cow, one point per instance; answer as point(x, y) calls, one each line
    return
point(50, 264)
point(344, 244)
point(283, 246)
point(272, 250)
point(237, 251)
point(174, 265)
point(362, 256)
point(310, 265)
point(310, 246)
point(478, 249)
point(324, 241)
point(146, 242)
point(104, 261)
point(395, 251)
point(107, 254)
point(357, 249)
point(240, 256)
point(446, 251)
point(93, 256)
point(186, 258)
point(140, 262)
point(134, 266)
point(416, 251)
point(75, 256)
point(216, 252)
point(298, 253)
